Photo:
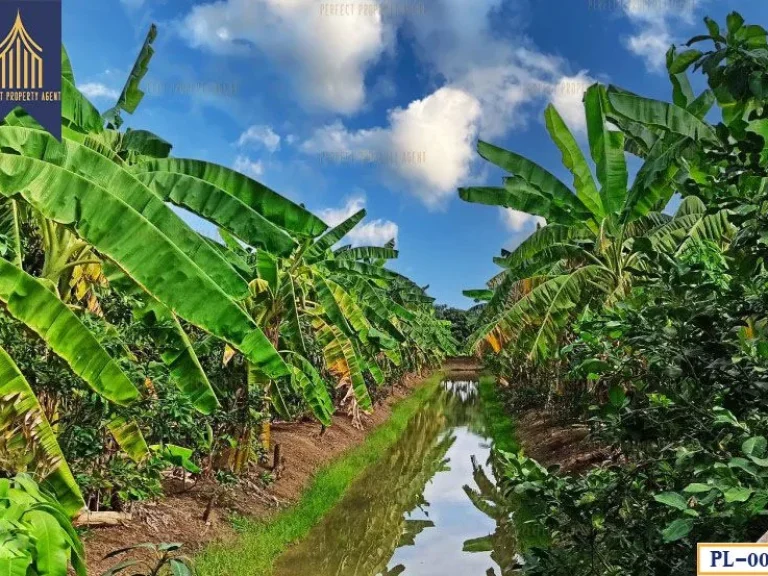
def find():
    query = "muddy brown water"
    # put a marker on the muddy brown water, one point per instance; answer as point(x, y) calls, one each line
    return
point(417, 512)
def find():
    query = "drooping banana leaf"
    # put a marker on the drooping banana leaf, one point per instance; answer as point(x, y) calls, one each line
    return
point(219, 207)
point(661, 115)
point(128, 435)
point(140, 249)
point(82, 161)
point(342, 361)
point(544, 238)
point(77, 112)
point(18, 402)
point(271, 205)
point(66, 66)
point(313, 389)
point(180, 357)
point(535, 175)
point(10, 233)
point(331, 307)
point(28, 300)
point(350, 309)
point(146, 143)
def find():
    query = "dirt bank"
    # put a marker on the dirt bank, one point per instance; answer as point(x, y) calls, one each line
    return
point(179, 516)
point(550, 442)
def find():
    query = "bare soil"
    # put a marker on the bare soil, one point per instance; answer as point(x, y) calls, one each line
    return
point(178, 517)
point(550, 442)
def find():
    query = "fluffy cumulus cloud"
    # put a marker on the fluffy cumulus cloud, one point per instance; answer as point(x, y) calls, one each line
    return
point(97, 90)
point(373, 233)
point(260, 136)
point(244, 164)
point(486, 84)
point(654, 20)
point(326, 54)
point(428, 145)
point(516, 221)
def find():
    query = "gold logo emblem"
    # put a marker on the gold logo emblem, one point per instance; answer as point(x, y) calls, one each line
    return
point(21, 61)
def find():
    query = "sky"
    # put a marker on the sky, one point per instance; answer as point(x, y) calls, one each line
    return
point(357, 104)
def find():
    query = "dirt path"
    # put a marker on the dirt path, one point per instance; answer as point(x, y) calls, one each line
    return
point(179, 516)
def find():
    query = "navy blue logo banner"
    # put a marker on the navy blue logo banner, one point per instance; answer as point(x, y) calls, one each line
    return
point(30, 60)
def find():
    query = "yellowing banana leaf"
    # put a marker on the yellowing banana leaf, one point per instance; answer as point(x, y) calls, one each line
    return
point(18, 401)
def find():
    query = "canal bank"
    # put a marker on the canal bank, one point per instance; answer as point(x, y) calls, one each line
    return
point(260, 541)
point(413, 498)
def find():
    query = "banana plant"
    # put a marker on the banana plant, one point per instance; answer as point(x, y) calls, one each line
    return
point(590, 249)
point(334, 299)
point(90, 210)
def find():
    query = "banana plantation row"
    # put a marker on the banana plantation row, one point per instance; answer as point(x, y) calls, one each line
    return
point(640, 313)
point(131, 343)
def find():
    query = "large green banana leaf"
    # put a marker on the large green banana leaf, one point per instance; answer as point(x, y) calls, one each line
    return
point(544, 309)
point(662, 115)
point(82, 161)
point(77, 113)
point(331, 308)
point(180, 357)
point(573, 159)
point(18, 402)
point(544, 238)
point(140, 249)
point(128, 435)
point(535, 175)
point(313, 389)
point(521, 196)
point(221, 208)
point(607, 149)
point(32, 303)
point(66, 66)
point(350, 309)
point(271, 205)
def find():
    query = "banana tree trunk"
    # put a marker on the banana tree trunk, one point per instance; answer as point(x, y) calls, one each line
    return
point(273, 333)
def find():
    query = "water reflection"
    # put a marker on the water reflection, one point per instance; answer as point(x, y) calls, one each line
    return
point(418, 511)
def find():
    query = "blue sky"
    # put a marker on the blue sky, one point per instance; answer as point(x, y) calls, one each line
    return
point(342, 105)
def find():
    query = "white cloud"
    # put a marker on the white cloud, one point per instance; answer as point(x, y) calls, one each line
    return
point(263, 135)
point(488, 82)
point(429, 145)
point(96, 90)
point(517, 221)
point(654, 20)
point(247, 166)
point(325, 54)
point(373, 233)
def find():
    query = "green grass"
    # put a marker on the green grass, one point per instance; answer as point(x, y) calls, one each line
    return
point(500, 426)
point(262, 541)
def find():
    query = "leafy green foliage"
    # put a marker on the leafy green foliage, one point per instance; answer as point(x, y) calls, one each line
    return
point(38, 538)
